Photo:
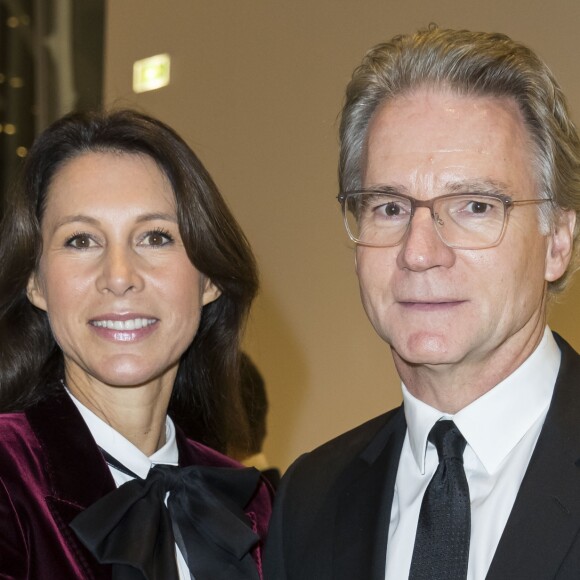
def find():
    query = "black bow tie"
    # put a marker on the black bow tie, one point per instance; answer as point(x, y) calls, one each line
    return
point(134, 530)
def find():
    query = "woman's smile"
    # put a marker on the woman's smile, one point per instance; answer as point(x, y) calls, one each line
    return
point(125, 329)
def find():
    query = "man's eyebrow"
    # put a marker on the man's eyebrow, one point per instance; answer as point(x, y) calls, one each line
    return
point(483, 186)
point(479, 186)
point(394, 189)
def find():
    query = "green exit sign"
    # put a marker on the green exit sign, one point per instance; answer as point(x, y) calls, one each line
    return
point(151, 73)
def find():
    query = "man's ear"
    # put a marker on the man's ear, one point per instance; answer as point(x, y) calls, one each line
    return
point(560, 245)
point(35, 293)
point(210, 291)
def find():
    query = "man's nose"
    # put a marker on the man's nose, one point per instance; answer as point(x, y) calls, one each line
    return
point(422, 248)
point(120, 271)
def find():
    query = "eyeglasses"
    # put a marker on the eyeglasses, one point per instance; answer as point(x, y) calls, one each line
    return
point(463, 221)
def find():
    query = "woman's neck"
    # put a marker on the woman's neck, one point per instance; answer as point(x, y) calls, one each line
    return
point(136, 412)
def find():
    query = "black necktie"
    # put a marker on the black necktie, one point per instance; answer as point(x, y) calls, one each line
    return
point(134, 530)
point(442, 543)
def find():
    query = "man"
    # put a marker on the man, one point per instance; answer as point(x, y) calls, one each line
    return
point(460, 184)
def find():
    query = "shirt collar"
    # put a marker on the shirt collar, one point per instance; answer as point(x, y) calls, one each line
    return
point(122, 449)
point(495, 422)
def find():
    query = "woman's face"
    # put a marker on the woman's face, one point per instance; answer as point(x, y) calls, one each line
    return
point(123, 299)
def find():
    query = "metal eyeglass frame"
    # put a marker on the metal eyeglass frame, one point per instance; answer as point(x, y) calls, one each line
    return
point(507, 202)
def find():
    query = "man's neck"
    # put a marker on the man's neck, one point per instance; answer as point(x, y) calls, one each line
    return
point(451, 387)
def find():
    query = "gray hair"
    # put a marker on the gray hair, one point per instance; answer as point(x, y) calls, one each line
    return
point(470, 63)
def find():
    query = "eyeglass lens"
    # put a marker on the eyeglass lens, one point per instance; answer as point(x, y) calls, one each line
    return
point(379, 219)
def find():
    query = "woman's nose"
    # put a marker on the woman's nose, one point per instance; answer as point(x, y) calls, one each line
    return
point(119, 272)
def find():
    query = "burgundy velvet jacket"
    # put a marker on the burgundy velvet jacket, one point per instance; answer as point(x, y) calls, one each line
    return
point(50, 471)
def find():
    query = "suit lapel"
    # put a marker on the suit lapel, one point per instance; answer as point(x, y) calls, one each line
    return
point(546, 514)
point(365, 506)
point(73, 484)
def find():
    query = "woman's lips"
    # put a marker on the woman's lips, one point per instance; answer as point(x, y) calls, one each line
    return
point(130, 324)
point(124, 328)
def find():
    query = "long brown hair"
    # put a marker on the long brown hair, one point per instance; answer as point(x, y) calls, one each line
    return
point(205, 399)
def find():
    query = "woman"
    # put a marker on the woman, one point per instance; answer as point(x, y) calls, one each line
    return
point(125, 283)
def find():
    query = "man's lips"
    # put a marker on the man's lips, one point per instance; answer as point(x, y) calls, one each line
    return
point(435, 304)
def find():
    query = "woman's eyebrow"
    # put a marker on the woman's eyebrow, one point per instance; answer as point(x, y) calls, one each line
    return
point(147, 217)
point(157, 216)
point(69, 219)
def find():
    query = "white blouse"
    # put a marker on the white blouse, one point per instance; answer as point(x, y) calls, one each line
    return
point(133, 458)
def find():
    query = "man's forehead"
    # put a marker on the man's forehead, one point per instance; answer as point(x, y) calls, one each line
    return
point(442, 105)
point(438, 137)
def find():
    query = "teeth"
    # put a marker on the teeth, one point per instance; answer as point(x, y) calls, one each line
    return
point(133, 324)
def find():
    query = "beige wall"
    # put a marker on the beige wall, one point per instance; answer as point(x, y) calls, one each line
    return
point(256, 89)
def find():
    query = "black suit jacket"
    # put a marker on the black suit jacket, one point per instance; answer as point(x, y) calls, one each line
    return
point(332, 512)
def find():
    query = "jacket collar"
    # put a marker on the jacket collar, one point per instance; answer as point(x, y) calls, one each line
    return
point(65, 438)
point(545, 518)
point(73, 485)
point(366, 495)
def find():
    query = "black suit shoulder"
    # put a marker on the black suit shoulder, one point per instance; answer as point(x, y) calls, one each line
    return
point(300, 542)
point(323, 464)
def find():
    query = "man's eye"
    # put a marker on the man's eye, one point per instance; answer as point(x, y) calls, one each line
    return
point(479, 207)
point(79, 241)
point(157, 238)
point(391, 209)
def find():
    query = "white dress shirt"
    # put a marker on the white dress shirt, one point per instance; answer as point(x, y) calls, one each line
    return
point(501, 429)
point(133, 458)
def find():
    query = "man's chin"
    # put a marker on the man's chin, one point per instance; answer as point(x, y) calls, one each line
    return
point(426, 351)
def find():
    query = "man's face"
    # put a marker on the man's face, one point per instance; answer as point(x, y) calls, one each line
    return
point(440, 306)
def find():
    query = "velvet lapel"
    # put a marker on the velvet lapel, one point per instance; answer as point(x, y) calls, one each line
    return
point(187, 454)
point(362, 522)
point(545, 518)
point(77, 474)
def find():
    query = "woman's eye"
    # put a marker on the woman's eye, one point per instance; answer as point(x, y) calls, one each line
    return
point(80, 241)
point(157, 238)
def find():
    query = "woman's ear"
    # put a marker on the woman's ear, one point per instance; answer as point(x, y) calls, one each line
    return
point(210, 291)
point(35, 293)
